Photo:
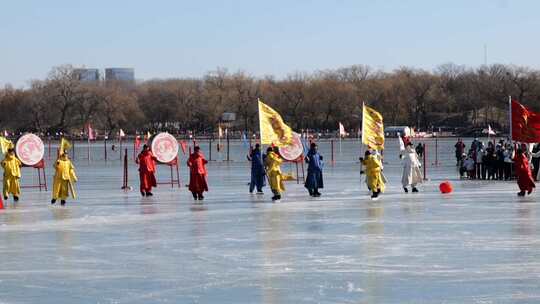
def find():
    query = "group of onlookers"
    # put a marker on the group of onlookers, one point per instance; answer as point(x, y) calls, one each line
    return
point(491, 162)
point(494, 160)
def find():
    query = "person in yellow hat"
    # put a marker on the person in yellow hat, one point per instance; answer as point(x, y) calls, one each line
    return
point(273, 170)
point(12, 175)
point(373, 172)
point(64, 178)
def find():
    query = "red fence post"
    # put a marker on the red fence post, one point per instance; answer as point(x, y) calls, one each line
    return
point(125, 182)
point(425, 162)
point(332, 150)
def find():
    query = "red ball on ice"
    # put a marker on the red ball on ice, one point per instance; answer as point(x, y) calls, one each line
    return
point(445, 187)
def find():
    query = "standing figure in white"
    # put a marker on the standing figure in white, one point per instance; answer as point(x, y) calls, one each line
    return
point(412, 175)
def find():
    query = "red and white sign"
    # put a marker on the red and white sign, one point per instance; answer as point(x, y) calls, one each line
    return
point(165, 147)
point(30, 149)
point(293, 151)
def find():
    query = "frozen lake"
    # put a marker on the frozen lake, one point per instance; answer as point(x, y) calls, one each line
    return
point(480, 244)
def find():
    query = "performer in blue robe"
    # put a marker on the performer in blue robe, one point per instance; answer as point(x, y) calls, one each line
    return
point(314, 180)
point(257, 170)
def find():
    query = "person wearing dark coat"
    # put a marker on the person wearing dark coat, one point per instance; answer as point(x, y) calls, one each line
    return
point(257, 170)
point(460, 149)
point(314, 179)
point(535, 161)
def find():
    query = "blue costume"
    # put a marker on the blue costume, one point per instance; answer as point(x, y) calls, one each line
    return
point(314, 179)
point(257, 171)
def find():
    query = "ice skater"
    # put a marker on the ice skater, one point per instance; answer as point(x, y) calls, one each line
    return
point(373, 170)
point(12, 175)
point(523, 172)
point(64, 177)
point(147, 169)
point(273, 170)
point(257, 170)
point(198, 174)
point(314, 179)
point(412, 176)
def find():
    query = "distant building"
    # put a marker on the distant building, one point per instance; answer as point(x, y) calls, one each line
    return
point(87, 75)
point(120, 74)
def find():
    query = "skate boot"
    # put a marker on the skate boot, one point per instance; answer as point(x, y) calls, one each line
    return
point(53, 201)
point(414, 190)
point(405, 189)
point(521, 193)
point(62, 202)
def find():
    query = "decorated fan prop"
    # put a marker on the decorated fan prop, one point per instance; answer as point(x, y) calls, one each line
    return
point(165, 147)
point(30, 149)
point(294, 150)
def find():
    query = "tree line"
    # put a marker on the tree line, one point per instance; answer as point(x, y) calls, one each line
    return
point(450, 96)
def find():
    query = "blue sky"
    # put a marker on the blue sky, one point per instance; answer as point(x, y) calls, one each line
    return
point(162, 39)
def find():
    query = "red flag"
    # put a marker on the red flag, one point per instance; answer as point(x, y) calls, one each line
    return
point(137, 142)
point(183, 145)
point(525, 124)
point(91, 135)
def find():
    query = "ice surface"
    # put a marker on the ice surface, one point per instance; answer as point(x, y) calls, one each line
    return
point(479, 244)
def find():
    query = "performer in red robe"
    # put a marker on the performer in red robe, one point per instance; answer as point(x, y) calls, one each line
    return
point(197, 177)
point(523, 172)
point(147, 169)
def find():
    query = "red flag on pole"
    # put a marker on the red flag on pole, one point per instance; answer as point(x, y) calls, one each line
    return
point(91, 135)
point(183, 145)
point(525, 124)
point(137, 142)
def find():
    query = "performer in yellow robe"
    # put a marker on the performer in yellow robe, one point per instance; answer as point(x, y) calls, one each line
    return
point(12, 175)
point(64, 178)
point(273, 170)
point(373, 173)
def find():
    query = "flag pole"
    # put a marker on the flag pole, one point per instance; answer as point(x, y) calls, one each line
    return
point(510, 117)
point(339, 142)
point(120, 144)
point(88, 145)
point(260, 122)
point(220, 133)
point(362, 144)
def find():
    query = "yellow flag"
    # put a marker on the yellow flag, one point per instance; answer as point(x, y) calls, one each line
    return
point(64, 145)
point(5, 144)
point(372, 128)
point(273, 129)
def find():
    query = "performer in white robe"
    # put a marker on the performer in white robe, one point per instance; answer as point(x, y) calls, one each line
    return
point(412, 175)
